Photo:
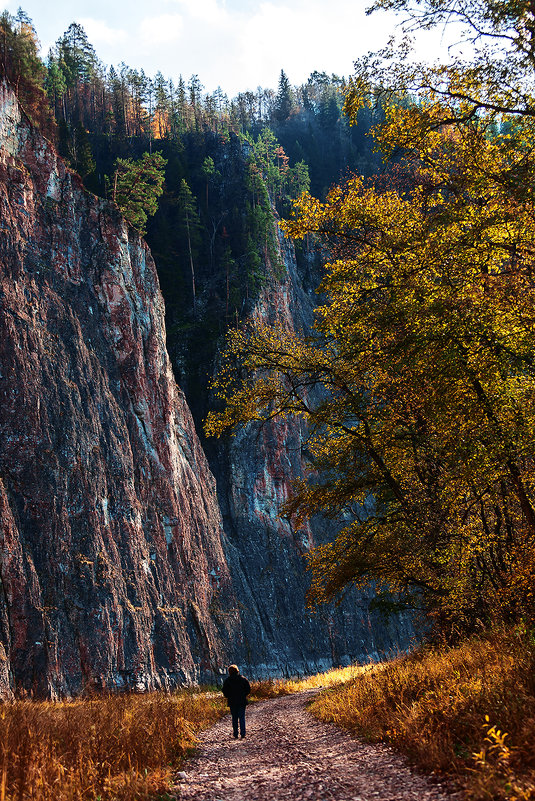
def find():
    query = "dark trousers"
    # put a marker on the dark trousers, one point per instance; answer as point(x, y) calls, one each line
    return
point(238, 716)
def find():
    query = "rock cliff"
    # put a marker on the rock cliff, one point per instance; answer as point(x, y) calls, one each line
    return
point(120, 566)
point(266, 555)
point(112, 571)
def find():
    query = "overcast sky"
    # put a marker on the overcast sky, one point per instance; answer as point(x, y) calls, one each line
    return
point(235, 44)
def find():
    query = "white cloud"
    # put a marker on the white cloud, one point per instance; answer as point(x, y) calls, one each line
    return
point(164, 29)
point(99, 32)
point(210, 11)
point(284, 37)
point(300, 36)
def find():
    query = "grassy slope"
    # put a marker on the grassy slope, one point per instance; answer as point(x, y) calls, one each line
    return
point(468, 712)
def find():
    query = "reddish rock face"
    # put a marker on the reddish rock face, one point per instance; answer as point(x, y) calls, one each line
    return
point(111, 566)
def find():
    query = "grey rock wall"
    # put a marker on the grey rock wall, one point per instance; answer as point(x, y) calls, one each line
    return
point(266, 555)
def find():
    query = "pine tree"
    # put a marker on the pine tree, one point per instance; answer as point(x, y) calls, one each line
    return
point(209, 172)
point(161, 107)
point(189, 221)
point(137, 185)
point(77, 54)
point(284, 102)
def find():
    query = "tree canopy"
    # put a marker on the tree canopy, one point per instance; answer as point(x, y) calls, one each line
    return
point(422, 435)
point(137, 187)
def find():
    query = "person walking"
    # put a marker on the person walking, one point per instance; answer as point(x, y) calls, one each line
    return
point(236, 688)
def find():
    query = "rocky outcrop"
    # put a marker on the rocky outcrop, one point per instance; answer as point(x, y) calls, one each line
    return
point(266, 555)
point(115, 568)
point(112, 571)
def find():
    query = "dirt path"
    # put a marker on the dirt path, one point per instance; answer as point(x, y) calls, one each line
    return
point(288, 754)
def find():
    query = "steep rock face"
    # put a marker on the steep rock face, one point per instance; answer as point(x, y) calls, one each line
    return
point(112, 570)
point(266, 555)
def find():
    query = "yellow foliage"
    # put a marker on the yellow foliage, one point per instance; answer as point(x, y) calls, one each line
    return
point(419, 387)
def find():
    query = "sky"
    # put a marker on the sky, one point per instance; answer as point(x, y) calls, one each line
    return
point(235, 44)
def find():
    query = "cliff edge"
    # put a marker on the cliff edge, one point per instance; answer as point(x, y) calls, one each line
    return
point(112, 571)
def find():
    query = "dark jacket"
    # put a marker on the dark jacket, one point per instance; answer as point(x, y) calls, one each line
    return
point(236, 688)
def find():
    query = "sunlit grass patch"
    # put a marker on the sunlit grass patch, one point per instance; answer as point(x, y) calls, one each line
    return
point(468, 712)
point(271, 688)
point(112, 747)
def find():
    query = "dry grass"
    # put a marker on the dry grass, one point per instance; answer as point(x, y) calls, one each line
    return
point(118, 747)
point(468, 712)
point(271, 688)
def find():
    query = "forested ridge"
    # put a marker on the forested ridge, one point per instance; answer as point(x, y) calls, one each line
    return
point(227, 162)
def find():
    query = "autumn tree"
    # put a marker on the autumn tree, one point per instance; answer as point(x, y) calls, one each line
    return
point(160, 122)
point(21, 66)
point(422, 418)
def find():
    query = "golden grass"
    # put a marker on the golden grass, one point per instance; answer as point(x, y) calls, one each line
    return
point(467, 712)
point(119, 747)
point(272, 688)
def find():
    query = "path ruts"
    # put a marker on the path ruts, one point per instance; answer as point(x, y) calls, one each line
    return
point(288, 754)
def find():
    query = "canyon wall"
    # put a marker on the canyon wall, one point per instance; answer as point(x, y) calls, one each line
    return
point(112, 571)
point(120, 564)
point(266, 554)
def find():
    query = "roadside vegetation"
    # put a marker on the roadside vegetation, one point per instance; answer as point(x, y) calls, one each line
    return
point(466, 712)
point(118, 747)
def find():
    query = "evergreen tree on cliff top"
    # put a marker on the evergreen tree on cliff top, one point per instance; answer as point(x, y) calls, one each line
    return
point(423, 435)
point(284, 99)
point(137, 185)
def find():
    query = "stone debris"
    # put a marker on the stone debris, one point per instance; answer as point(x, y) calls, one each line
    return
point(288, 754)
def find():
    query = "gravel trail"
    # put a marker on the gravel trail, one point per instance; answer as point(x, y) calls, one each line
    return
point(288, 754)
